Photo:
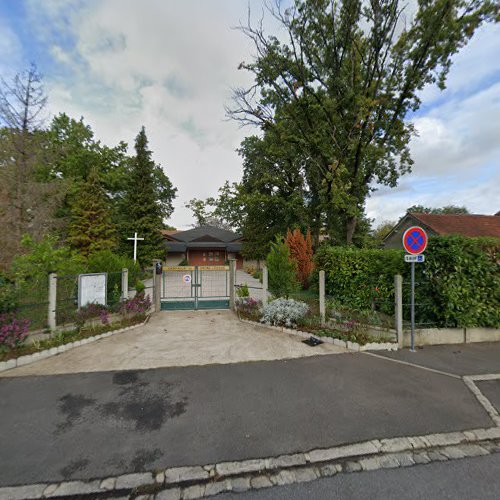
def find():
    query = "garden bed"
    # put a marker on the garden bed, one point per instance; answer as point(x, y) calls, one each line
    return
point(64, 341)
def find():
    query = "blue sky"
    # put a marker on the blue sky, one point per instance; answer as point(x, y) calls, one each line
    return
point(170, 65)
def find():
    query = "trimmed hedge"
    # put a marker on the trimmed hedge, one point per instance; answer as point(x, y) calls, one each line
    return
point(458, 285)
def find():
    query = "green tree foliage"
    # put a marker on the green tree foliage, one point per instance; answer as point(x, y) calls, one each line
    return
point(141, 207)
point(91, 228)
point(446, 210)
point(339, 85)
point(282, 275)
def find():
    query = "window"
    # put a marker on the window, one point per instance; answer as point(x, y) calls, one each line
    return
point(217, 256)
point(210, 256)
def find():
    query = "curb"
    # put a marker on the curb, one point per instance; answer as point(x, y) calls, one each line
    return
point(352, 346)
point(53, 351)
point(204, 481)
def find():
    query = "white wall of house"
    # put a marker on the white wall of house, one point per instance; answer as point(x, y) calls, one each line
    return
point(174, 259)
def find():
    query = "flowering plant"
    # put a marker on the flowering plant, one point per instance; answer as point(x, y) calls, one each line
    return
point(13, 331)
point(140, 304)
point(91, 311)
point(248, 307)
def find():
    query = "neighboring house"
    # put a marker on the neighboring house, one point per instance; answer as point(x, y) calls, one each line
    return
point(444, 225)
point(203, 246)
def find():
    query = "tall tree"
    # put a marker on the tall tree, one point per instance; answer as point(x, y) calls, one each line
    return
point(91, 228)
point(341, 86)
point(27, 202)
point(141, 207)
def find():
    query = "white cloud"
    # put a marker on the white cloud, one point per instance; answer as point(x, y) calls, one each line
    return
point(170, 66)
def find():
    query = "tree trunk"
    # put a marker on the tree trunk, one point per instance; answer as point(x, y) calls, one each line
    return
point(350, 228)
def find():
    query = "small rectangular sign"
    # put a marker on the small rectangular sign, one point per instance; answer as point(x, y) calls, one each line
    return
point(92, 289)
point(414, 258)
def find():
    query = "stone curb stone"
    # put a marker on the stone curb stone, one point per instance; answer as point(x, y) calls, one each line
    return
point(285, 461)
point(216, 488)
point(133, 480)
point(239, 484)
point(351, 450)
point(22, 492)
point(172, 494)
point(108, 484)
point(193, 492)
point(243, 467)
point(260, 482)
point(76, 488)
point(181, 474)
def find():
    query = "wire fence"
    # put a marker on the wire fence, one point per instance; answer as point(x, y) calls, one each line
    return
point(30, 299)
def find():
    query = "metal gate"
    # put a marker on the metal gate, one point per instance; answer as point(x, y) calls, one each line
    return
point(195, 287)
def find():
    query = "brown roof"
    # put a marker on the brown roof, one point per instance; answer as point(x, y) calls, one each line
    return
point(465, 225)
point(168, 232)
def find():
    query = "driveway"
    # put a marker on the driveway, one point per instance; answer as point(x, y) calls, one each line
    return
point(178, 338)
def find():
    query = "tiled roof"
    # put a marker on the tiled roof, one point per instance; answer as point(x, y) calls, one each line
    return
point(465, 225)
point(214, 234)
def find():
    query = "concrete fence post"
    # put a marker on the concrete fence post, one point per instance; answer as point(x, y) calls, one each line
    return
point(265, 286)
point(156, 286)
point(51, 318)
point(124, 284)
point(322, 307)
point(232, 283)
point(398, 309)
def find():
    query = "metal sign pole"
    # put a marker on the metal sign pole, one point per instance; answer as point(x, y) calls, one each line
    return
point(412, 347)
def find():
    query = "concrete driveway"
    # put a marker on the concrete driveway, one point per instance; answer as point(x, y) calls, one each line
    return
point(178, 338)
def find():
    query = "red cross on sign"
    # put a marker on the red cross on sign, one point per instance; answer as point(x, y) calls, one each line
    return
point(415, 240)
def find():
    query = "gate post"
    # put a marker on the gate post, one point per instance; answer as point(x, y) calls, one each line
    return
point(124, 283)
point(264, 286)
point(322, 308)
point(156, 286)
point(232, 282)
point(398, 309)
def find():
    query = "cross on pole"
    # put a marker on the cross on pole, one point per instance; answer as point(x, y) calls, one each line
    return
point(135, 239)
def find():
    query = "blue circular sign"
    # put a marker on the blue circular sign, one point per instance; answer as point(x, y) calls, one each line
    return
point(415, 240)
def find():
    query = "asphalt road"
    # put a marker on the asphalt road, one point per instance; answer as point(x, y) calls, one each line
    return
point(467, 479)
point(491, 389)
point(460, 359)
point(106, 423)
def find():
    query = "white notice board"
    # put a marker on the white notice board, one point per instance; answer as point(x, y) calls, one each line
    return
point(92, 289)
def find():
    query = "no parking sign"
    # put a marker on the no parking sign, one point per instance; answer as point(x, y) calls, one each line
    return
point(187, 279)
point(415, 240)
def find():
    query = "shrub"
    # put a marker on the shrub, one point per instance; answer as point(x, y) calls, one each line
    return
point(137, 306)
point(281, 269)
point(301, 253)
point(361, 279)
point(140, 287)
point(91, 311)
point(284, 312)
point(13, 331)
point(106, 261)
point(8, 296)
point(248, 307)
point(257, 275)
point(242, 291)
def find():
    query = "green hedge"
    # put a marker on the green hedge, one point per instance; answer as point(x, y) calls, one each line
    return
point(360, 279)
point(458, 285)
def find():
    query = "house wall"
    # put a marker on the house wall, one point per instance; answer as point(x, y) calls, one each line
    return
point(207, 257)
point(174, 259)
point(395, 239)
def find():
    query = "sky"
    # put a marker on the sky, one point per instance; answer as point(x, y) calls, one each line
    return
point(171, 65)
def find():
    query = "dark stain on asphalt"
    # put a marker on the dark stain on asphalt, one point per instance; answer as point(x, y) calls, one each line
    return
point(125, 378)
point(147, 412)
point(72, 406)
point(143, 459)
point(74, 466)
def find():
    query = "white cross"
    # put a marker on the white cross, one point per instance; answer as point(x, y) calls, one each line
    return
point(135, 239)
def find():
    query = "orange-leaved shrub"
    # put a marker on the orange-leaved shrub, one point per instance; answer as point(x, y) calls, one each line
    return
point(301, 253)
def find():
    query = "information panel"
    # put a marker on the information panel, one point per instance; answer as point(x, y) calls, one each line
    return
point(92, 289)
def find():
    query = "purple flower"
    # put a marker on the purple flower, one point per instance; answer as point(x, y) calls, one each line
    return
point(13, 331)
